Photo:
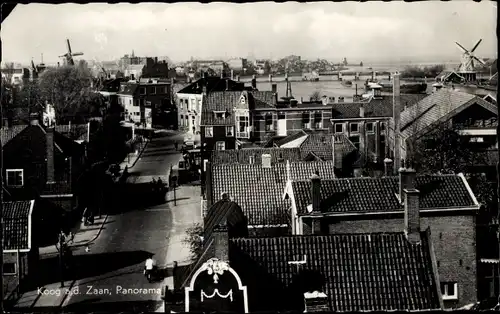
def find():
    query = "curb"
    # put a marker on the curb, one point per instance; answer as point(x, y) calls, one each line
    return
point(61, 305)
point(146, 142)
point(97, 235)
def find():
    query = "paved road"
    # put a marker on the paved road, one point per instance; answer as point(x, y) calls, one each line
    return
point(116, 259)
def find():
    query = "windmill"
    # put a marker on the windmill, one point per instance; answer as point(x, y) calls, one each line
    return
point(69, 55)
point(466, 68)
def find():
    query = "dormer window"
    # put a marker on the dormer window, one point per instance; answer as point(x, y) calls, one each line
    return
point(243, 100)
point(219, 114)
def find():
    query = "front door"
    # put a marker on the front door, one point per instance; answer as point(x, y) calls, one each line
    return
point(281, 124)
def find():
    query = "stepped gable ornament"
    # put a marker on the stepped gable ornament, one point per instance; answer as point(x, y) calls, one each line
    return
point(216, 267)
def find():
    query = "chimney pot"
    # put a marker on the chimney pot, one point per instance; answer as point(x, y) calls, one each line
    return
point(361, 110)
point(316, 192)
point(316, 302)
point(227, 85)
point(407, 178)
point(412, 215)
point(388, 167)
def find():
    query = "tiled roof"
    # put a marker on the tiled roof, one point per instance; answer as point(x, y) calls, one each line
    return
point(76, 132)
point(259, 190)
point(130, 89)
point(319, 143)
point(223, 212)
point(219, 101)
point(242, 156)
point(9, 133)
point(213, 83)
point(291, 138)
point(360, 272)
point(434, 107)
point(351, 195)
point(16, 231)
point(228, 100)
point(373, 108)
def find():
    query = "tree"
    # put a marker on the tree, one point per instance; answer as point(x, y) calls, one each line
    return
point(419, 72)
point(315, 96)
point(361, 64)
point(194, 239)
point(69, 90)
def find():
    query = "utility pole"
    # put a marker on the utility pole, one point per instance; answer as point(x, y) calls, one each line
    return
point(498, 204)
point(61, 257)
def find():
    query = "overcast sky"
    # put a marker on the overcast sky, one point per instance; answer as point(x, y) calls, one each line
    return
point(358, 31)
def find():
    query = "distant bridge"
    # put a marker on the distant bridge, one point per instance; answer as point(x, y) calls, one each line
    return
point(354, 73)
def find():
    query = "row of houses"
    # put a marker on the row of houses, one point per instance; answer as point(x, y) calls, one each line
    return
point(290, 224)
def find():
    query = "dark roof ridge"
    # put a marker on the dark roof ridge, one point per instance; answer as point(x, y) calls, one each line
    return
point(372, 178)
point(324, 236)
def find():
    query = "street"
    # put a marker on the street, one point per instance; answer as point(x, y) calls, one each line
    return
point(113, 266)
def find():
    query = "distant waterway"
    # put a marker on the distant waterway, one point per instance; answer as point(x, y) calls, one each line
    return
point(328, 87)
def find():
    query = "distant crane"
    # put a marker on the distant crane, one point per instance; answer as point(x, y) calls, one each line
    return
point(69, 55)
point(466, 68)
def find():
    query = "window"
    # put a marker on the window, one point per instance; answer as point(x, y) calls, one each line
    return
point(306, 120)
point(354, 127)
point(142, 90)
point(153, 90)
point(369, 127)
point(269, 122)
point(355, 140)
point(318, 120)
point(15, 177)
point(476, 139)
point(339, 127)
point(382, 126)
point(243, 124)
point(119, 100)
point(137, 103)
point(449, 290)
point(209, 131)
point(251, 159)
point(166, 89)
point(220, 145)
point(130, 101)
point(229, 131)
point(9, 268)
point(219, 114)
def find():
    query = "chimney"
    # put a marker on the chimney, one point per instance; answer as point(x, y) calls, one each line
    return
point(221, 242)
point(316, 302)
point(132, 77)
point(227, 85)
point(270, 77)
point(412, 215)
point(237, 78)
point(225, 196)
point(204, 75)
point(324, 100)
point(361, 110)
point(388, 167)
point(406, 181)
point(266, 161)
point(34, 120)
point(232, 74)
point(221, 74)
point(49, 140)
point(316, 192)
point(156, 60)
point(254, 82)
point(274, 88)
point(204, 90)
point(396, 107)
